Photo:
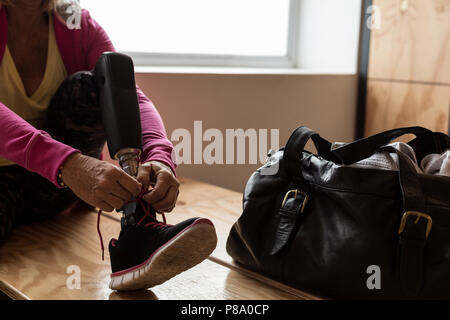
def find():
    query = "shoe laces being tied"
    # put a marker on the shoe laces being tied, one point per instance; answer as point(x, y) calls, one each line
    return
point(147, 209)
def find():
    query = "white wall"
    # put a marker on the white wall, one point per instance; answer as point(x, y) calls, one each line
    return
point(329, 34)
point(326, 103)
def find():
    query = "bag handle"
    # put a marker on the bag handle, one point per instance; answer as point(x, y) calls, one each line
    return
point(293, 150)
point(426, 142)
point(364, 148)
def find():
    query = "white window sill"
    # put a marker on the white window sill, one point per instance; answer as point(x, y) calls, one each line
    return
point(241, 71)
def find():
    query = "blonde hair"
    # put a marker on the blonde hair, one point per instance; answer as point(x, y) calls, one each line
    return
point(47, 5)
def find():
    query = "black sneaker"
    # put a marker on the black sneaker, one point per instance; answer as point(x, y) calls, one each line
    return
point(149, 252)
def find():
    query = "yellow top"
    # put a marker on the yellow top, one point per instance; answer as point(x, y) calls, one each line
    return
point(12, 91)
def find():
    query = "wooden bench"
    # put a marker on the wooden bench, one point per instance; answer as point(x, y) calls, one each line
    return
point(34, 262)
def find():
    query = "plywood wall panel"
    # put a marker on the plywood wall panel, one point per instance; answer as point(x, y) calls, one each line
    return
point(393, 104)
point(413, 41)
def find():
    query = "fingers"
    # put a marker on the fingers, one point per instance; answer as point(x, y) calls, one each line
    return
point(116, 188)
point(104, 206)
point(168, 202)
point(129, 183)
point(100, 183)
point(111, 202)
point(120, 192)
point(144, 176)
point(159, 191)
point(164, 195)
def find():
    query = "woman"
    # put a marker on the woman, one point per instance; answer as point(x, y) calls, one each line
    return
point(52, 138)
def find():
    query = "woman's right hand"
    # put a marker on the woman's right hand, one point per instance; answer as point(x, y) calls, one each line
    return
point(99, 183)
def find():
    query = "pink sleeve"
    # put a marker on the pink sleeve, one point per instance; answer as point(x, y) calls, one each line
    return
point(156, 145)
point(33, 149)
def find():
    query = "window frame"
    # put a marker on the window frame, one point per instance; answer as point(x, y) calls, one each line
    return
point(149, 59)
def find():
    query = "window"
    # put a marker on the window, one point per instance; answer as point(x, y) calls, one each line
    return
point(250, 33)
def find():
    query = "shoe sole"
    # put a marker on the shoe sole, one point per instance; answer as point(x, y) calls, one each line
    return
point(171, 259)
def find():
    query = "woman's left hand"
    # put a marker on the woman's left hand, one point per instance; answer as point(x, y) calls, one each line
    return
point(164, 194)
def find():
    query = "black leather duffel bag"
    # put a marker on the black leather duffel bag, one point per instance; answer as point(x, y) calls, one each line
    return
point(342, 231)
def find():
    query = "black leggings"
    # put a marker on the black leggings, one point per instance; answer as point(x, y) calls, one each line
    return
point(73, 117)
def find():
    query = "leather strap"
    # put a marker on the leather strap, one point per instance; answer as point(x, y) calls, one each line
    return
point(293, 206)
point(293, 151)
point(289, 214)
point(426, 142)
point(413, 236)
point(364, 148)
point(411, 256)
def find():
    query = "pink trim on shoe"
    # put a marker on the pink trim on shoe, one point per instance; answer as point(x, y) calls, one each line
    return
point(198, 221)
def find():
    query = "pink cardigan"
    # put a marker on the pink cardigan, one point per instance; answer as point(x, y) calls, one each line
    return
point(34, 149)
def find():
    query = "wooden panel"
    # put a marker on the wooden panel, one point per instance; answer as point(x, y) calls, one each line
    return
point(413, 42)
point(192, 192)
point(391, 105)
point(36, 257)
point(209, 280)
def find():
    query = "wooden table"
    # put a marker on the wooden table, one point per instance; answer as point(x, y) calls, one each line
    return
point(34, 262)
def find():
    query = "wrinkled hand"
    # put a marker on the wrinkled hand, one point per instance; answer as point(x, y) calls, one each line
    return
point(164, 194)
point(99, 183)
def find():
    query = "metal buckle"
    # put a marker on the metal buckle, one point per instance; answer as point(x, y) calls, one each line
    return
point(418, 215)
point(296, 192)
